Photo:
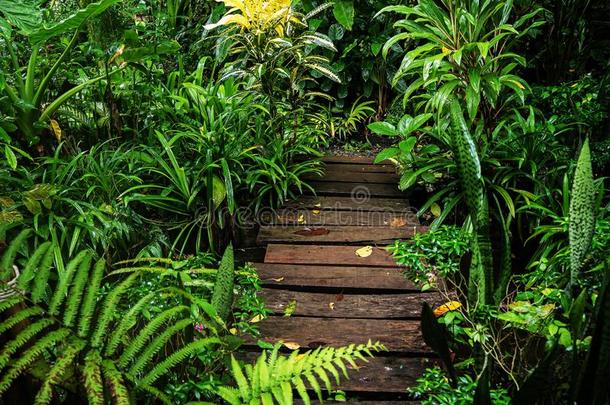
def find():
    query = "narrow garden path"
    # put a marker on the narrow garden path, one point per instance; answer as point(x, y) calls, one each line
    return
point(334, 296)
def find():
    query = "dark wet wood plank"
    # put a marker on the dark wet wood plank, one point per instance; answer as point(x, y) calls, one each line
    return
point(361, 160)
point(356, 190)
point(372, 306)
point(291, 275)
point(296, 216)
point(336, 234)
point(359, 168)
point(380, 374)
point(348, 203)
point(319, 254)
point(397, 335)
point(339, 175)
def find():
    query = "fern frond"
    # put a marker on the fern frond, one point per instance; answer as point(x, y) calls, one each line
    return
point(41, 281)
point(177, 357)
point(76, 292)
point(88, 306)
point(114, 381)
point(127, 321)
point(8, 258)
point(23, 282)
point(61, 291)
point(274, 377)
point(157, 344)
point(92, 378)
point(109, 310)
point(29, 356)
point(21, 339)
point(157, 394)
point(222, 298)
point(134, 347)
point(19, 317)
point(11, 302)
point(45, 394)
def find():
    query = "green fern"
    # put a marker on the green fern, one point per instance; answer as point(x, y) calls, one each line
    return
point(582, 212)
point(272, 377)
point(60, 334)
point(8, 258)
point(222, 298)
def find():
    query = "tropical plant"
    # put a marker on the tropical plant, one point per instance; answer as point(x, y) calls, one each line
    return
point(272, 378)
point(85, 329)
point(222, 299)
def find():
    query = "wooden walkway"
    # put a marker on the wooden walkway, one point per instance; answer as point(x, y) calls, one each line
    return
point(338, 297)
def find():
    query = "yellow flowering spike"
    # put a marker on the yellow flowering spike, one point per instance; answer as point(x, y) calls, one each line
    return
point(446, 307)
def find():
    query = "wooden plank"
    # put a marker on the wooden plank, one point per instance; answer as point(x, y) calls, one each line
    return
point(379, 375)
point(296, 216)
point(337, 234)
point(361, 160)
point(359, 168)
point(348, 203)
point(352, 401)
point(397, 335)
point(291, 275)
point(328, 254)
point(339, 175)
point(373, 306)
point(358, 191)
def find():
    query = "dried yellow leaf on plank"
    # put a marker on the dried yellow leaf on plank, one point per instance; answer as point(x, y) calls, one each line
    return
point(257, 318)
point(291, 345)
point(365, 251)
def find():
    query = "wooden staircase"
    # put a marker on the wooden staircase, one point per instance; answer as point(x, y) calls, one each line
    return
point(340, 297)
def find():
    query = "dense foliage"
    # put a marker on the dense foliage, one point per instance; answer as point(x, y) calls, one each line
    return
point(139, 138)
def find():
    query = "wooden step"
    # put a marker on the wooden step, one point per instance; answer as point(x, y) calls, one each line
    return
point(348, 203)
point(380, 374)
point(397, 335)
point(360, 168)
point(339, 175)
point(336, 234)
point(361, 160)
point(359, 192)
point(297, 216)
point(320, 254)
point(291, 275)
point(373, 306)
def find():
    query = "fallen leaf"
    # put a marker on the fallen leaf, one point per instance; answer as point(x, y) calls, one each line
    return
point(233, 331)
point(331, 305)
point(277, 280)
point(435, 209)
point(257, 319)
point(301, 219)
point(312, 232)
point(291, 345)
point(365, 251)
point(318, 205)
point(315, 212)
point(339, 297)
point(446, 307)
point(397, 222)
point(290, 308)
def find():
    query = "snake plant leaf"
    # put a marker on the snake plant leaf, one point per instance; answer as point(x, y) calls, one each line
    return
point(74, 21)
point(582, 211)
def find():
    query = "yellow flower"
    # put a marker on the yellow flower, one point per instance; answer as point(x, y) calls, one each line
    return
point(254, 14)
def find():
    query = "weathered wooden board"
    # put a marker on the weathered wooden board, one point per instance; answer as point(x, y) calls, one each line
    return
point(397, 335)
point(373, 306)
point(360, 168)
point(357, 191)
point(291, 275)
point(336, 234)
point(339, 175)
point(391, 374)
point(319, 254)
point(296, 216)
point(348, 203)
point(364, 160)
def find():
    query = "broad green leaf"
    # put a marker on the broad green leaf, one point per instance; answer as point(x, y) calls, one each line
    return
point(23, 14)
point(10, 157)
point(407, 145)
point(344, 12)
point(163, 48)
point(383, 128)
point(386, 154)
point(219, 191)
point(75, 21)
